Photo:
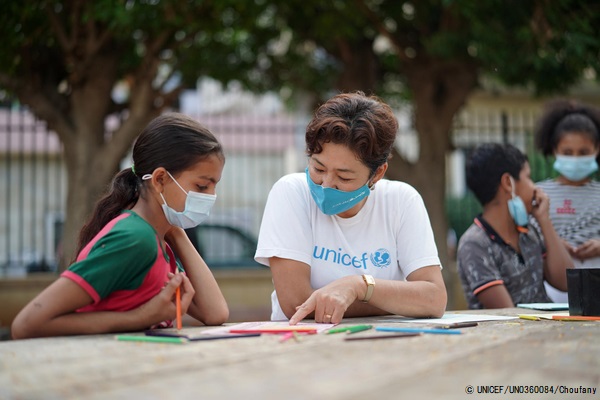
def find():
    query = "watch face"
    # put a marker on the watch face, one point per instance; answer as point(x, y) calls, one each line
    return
point(369, 279)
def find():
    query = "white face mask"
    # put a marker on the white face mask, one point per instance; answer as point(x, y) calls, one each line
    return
point(575, 168)
point(197, 207)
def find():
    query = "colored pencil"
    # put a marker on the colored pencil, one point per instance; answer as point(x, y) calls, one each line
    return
point(575, 318)
point(350, 329)
point(418, 330)
point(156, 339)
point(178, 303)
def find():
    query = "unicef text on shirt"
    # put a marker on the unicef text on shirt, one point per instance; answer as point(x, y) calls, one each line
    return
point(338, 257)
point(380, 258)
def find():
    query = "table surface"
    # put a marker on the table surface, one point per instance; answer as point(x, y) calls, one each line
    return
point(516, 354)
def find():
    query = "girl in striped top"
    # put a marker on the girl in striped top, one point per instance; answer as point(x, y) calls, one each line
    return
point(570, 132)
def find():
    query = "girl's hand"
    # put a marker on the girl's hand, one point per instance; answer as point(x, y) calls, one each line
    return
point(570, 249)
point(589, 249)
point(162, 306)
point(540, 205)
point(329, 302)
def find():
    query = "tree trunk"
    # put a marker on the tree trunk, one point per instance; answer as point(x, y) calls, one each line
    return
point(90, 170)
point(360, 65)
point(92, 155)
point(439, 89)
point(84, 186)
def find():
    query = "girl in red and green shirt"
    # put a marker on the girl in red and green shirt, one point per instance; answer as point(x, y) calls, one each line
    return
point(124, 277)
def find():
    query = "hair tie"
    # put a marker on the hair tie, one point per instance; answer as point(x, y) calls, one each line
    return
point(133, 168)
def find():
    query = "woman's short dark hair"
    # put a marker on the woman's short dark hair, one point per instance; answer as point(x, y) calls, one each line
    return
point(365, 124)
point(486, 165)
point(563, 116)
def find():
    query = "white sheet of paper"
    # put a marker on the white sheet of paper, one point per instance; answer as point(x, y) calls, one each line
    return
point(450, 318)
point(545, 306)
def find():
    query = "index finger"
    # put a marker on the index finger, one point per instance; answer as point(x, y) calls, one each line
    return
point(306, 308)
point(187, 294)
point(172, 285)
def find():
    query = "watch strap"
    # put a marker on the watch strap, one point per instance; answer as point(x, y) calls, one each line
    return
point(370, 282)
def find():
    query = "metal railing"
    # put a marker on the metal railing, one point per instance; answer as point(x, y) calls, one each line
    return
point(33, 181)
point(259, 150)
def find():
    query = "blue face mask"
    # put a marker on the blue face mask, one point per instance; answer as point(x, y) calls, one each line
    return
point(575, 168)
point(332, 201)
point(517, 208)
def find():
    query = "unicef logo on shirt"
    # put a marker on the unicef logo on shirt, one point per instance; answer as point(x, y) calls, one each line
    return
point(381, 258)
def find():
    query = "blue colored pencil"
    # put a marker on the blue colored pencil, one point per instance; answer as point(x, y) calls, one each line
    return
point(418, 330)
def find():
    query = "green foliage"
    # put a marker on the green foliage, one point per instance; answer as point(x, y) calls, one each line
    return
point(461, 211)
point(541, 167)
point(223, 38)
point(544, 45)
point(295, 44)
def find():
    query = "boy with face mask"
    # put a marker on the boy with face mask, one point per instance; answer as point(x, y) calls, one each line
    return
point(502, 258)
point(570, 132)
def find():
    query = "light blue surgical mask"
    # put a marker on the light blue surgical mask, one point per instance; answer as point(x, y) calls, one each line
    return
point(197, 207)
point(332, 201)
point(516, 207)
point(575, 168)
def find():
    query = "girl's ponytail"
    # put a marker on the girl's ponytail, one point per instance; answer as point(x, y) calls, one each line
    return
point(123, 194)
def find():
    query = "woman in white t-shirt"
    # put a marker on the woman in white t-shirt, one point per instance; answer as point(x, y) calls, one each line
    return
point(570, 131)
point(340, 240)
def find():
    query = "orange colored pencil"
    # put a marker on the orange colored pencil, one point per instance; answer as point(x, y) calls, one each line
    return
point(575, 318)
point(178, 304)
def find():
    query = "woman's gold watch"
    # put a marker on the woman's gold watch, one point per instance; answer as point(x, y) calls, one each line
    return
point(370, 282)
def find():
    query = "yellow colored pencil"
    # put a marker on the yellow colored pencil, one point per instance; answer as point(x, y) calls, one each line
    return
point(529, 317)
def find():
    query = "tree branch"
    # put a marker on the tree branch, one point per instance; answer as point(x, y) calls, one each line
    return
point(6, 81)
point(148, 67)
point(170, 97)
point(381, 28)
point(95, 42)
point(57, 27)
point(44, 108)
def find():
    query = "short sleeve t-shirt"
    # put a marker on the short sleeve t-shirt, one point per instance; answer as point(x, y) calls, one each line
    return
point(389, 238)
point(123, 266)
point(485, 260)
point(575, 214)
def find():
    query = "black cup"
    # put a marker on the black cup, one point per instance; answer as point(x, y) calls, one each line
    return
point(583, 285)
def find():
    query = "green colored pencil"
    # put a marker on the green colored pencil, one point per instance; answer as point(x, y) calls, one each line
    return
point(155, 339)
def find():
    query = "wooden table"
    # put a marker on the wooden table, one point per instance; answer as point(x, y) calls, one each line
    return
point(507, 353)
